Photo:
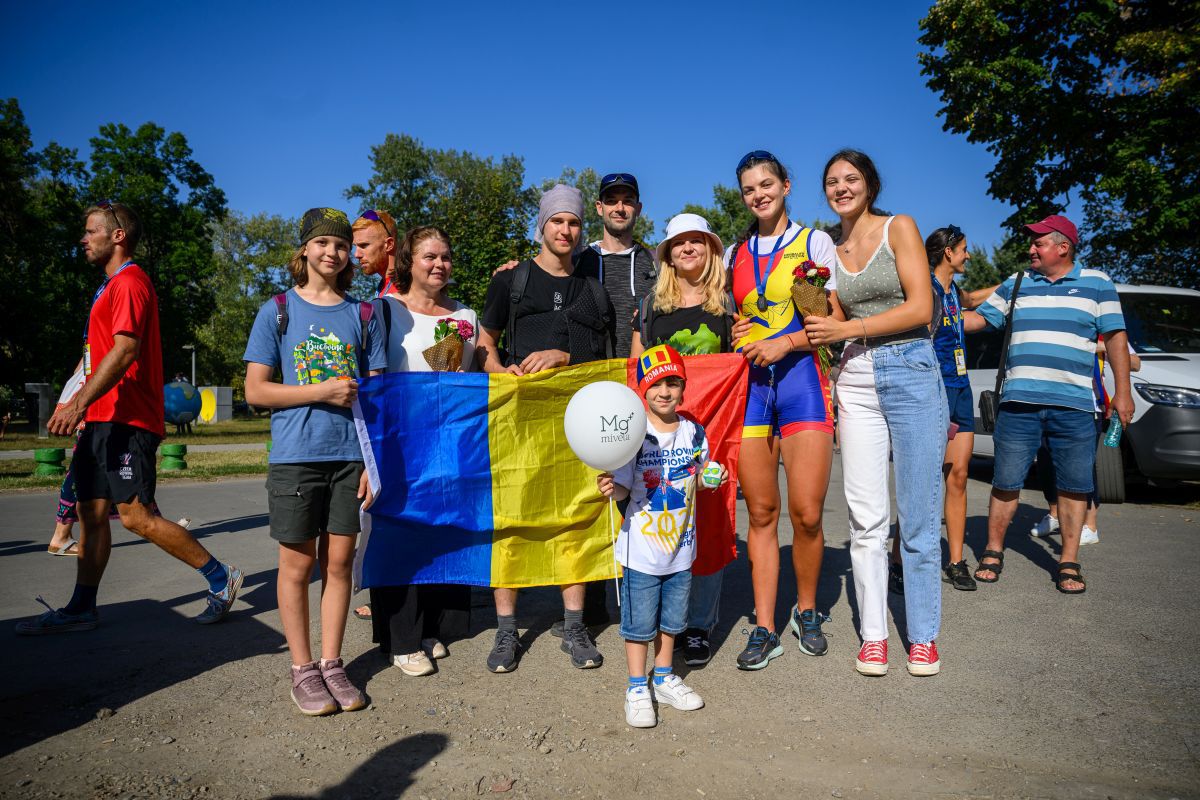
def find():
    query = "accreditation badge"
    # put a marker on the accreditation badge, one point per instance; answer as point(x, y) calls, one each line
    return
point(87, 360)
point(960, 361)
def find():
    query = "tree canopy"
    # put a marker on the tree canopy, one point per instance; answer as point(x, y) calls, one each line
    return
point(1095, 99)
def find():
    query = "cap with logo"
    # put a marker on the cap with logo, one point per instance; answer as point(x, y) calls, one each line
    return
point(661, 361)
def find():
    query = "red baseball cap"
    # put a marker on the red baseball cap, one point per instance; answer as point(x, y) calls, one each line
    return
point(1055, 223)
point(659, 362)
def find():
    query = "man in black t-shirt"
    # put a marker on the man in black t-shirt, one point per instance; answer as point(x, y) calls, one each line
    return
point(550, 316)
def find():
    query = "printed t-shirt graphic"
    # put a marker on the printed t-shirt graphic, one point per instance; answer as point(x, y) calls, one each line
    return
point(792, 394)
point(692, 331)
point(129, 305)
point(658, 536)
point(321, 342)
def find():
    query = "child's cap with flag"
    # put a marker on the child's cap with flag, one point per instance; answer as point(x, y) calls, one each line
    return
point(657, 363)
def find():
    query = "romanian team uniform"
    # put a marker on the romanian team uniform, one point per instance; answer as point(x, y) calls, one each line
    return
point(950, 347)
point(790, 395)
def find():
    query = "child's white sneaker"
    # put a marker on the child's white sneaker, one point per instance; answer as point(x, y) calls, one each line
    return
point(639, 708)
point(677, 694)
point(414, 664)
point(1089, 536)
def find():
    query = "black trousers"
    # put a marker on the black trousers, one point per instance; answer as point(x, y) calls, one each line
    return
point(401, 616)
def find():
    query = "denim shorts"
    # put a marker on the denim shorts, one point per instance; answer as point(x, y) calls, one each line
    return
point(653, 603)
point(1070, 435)
point(961, 407)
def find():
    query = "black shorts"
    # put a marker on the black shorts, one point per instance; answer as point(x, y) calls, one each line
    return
point(306, 500)
point(114, 461)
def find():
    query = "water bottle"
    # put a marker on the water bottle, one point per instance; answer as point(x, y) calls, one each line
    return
point(1112, 437)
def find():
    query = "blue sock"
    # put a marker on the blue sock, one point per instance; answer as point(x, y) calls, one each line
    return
point(660, 674)
point(83, 599)
point(214, 572)
point(635, 683)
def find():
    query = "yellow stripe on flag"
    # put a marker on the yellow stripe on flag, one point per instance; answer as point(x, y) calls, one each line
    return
point(552, 524)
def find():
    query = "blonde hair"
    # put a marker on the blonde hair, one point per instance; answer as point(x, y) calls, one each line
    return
point(667, 293)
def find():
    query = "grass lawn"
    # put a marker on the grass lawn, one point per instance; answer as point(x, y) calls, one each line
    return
point(237, 431)
point(18, 474)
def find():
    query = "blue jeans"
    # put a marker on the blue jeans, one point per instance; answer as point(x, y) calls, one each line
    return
point(1070, 436)
point(705, 601)
point(653, 603)
point(892, 397)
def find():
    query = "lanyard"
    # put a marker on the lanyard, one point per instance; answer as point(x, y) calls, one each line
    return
point(760, 280)
point(96, 298)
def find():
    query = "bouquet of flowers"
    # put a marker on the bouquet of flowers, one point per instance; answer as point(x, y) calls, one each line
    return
point(808, 295)
point(447, 354)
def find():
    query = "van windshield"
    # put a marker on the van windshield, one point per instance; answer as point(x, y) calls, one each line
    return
point(1162, 323)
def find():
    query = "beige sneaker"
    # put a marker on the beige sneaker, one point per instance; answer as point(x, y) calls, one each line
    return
point(434, 649)
point(414, 664)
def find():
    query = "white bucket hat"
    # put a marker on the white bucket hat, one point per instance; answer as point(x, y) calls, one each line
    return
point(687, 223)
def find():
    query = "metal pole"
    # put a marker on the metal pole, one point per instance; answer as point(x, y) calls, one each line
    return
point(193, 365)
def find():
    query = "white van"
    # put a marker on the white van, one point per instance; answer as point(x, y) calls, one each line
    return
point(1163, 442)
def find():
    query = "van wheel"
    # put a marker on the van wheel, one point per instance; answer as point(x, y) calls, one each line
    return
point(1110, 474)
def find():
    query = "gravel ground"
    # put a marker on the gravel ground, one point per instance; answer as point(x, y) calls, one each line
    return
point(1041, 695)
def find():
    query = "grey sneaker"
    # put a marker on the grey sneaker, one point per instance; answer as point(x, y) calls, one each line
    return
point(505, 652)
point(806, 626)
point(338, 684)
point(578, 642)
point(57, 621)
point(220, 603)
point(309, 692)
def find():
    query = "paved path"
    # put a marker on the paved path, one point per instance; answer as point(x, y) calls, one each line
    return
point(15, 455)
point(1042, 695)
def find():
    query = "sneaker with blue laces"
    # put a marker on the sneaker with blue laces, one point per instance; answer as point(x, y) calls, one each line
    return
point(806, 625)
point(762, 647)
point(57, 620)
point(220, 602)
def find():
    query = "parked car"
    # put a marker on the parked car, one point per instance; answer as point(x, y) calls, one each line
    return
point(1162, 444)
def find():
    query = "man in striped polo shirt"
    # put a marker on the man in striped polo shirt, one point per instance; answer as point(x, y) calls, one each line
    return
point(1059, 311)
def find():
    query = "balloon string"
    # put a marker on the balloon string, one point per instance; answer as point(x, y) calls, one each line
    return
point(612, 533)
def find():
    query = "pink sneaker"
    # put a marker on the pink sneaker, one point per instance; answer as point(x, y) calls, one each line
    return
point(923, 659)
point(348, 697)
point(872, 658)
point(309, 692)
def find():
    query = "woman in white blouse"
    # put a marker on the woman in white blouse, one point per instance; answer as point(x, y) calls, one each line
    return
point(411, 622)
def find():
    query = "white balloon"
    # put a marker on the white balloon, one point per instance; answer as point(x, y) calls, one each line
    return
point(605, 424)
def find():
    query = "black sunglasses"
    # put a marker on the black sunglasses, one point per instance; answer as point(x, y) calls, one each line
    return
point(107, 205)
point(373, 215)
point(755, 155)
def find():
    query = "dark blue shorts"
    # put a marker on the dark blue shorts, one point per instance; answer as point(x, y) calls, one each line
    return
point(962, 407)
point(1069, 434)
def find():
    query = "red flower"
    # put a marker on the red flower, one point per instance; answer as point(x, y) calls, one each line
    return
point(801, 271)
point(823, 273)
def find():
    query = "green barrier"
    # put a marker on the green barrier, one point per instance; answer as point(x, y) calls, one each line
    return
point(173, 457)
point(49, 462)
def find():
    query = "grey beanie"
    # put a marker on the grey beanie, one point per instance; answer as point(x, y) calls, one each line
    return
point(560, 198)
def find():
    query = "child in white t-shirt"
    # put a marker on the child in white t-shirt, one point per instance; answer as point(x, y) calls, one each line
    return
point(657, 543)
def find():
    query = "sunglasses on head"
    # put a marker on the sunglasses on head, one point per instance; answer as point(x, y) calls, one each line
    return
point(107, 205)
point(374, 216)
point(955, 233)
point(755, 155)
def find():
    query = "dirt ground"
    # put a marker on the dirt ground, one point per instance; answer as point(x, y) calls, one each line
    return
point(1042, 695)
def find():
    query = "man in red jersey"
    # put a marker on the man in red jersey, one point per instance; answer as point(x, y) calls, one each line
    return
point(122, 403)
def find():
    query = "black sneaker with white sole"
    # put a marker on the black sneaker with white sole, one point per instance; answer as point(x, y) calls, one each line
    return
point(696, 650)
point(506, 652)
point(578, 643)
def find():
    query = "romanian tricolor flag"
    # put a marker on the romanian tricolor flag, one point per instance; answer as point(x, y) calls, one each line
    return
point(475, 483)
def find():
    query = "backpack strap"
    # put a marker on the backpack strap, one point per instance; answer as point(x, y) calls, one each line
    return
point(645, 310)
point(365, 312)
point(520, 280)
point(384, 310)
point(601, 299)
point(281, 315)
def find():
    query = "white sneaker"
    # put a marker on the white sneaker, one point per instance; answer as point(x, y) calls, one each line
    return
point(677, 694)
point(184, 522)
point(1089, 536)
point(434, 649)
point(1047, 526)
point(639, 708)
point(414, 664)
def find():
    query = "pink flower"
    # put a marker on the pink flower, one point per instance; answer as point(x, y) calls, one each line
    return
point(465, 329)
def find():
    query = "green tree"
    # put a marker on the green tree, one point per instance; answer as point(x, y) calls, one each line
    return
point(250, 256)
point(984, 270)
point(177, 200)
point(482, 203)
point(587, 181)
point(727, 217)
point(1099, 98)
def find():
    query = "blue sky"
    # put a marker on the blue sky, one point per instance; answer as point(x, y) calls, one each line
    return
point(282, 102)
